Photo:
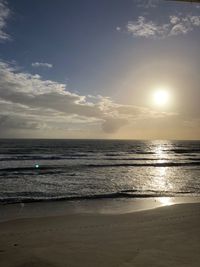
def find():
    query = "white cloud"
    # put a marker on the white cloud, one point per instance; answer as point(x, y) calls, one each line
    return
point(29, 103)
point(174, 19)
point(4, 14)
point(42, 64)
point(147, 3)
point(144, 28)
point(175, 25)
point(195, 20)
point(179, 28)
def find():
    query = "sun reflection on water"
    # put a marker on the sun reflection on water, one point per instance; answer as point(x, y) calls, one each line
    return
point(161, 177)
point(161, 174)
point(155, 178)
point(159, 150)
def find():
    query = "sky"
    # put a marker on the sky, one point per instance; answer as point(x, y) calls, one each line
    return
point(92, 69)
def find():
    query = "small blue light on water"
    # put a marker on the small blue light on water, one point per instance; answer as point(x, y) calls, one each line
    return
point(37, 166)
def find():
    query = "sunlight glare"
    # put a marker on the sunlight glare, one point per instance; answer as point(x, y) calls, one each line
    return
point(161, 97)
point(165, 201)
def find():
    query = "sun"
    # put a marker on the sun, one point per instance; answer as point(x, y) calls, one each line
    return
point(161, 97)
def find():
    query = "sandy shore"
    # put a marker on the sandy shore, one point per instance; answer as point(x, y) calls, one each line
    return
point(167, 236)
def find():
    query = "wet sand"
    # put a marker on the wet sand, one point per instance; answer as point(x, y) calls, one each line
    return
point(167, 236)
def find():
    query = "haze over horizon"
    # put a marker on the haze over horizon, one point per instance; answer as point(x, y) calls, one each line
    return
point(99, 69)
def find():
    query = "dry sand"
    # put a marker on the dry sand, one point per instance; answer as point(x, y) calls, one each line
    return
point(168, 236)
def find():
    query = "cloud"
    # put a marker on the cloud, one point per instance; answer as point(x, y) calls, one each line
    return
point(27, 102)
point(144, 28)
point(147, 3)
point(42, 64)
point(18, 122)
point(4, 14)
point(175, 25)
point(113, 125)
point(183, 25)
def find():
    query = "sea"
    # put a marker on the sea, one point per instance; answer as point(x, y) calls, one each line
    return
point(43, 170)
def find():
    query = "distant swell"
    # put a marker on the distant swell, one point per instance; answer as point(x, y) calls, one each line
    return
point(43, 168)
point(44, 157)
point(165, 164)
point(183, 150)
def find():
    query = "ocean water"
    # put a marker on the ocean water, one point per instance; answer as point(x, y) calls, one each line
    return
point(35, 170)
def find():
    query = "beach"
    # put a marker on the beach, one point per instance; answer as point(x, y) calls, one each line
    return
point(164, 236)
point(99, 133)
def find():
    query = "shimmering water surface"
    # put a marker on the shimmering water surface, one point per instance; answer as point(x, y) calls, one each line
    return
point(55, 169)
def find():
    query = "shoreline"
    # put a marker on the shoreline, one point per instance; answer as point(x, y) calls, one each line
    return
point(88, 206)
point(164, 236)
